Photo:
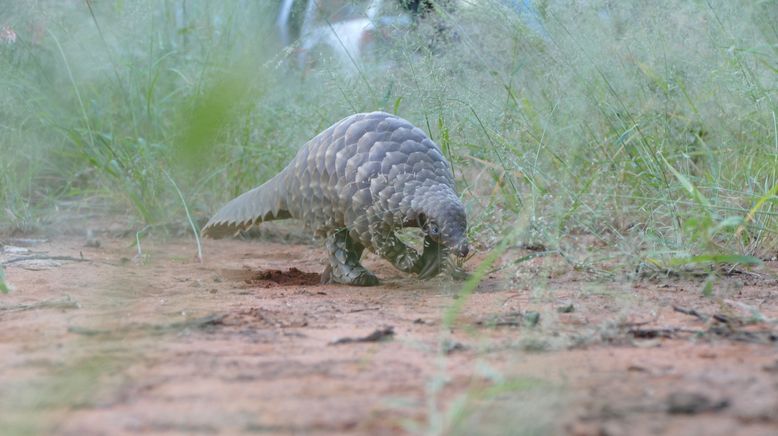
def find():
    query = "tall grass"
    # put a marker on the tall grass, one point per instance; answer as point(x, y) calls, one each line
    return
point(647, 128)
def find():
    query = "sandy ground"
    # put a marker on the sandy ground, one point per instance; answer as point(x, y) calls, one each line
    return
point(162, 344)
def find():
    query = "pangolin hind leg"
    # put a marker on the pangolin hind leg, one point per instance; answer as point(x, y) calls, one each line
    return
point(344, 254)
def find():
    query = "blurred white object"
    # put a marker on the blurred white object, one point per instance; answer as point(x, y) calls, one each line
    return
point(347, 39)
point(282, 22)
point(7, 35)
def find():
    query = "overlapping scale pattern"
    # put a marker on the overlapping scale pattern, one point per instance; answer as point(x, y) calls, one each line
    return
point(371, 173)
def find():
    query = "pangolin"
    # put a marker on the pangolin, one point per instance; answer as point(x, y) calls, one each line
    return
point(355, 184)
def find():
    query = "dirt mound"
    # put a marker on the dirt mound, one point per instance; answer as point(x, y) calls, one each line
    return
point(273, 277)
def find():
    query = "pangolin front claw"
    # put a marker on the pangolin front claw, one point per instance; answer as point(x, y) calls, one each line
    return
point(432, 259)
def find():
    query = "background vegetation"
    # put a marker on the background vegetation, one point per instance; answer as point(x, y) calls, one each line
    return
point(647, 129)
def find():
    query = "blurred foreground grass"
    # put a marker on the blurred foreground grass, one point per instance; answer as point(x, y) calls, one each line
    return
point(627, 133)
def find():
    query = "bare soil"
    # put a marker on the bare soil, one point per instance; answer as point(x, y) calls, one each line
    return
point(99, 340)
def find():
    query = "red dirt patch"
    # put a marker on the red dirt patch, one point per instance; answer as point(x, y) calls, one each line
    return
point(242, 343)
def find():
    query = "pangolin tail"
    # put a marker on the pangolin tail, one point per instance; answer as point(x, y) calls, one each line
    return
point(263, 203)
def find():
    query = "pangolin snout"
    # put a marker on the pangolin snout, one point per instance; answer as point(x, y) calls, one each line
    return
point(462, 249)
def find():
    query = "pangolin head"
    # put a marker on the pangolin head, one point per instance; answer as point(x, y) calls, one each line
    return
point(443, 219)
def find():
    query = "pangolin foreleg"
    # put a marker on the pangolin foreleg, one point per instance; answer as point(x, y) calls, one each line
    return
point(436, 259)
point(433, 260)
point(391, 248)
point(344, 267)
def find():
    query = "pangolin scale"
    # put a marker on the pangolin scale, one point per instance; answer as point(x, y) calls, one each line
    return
point(355, 184)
